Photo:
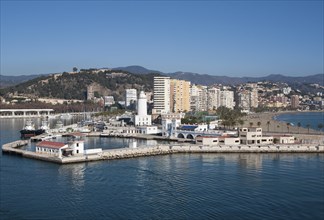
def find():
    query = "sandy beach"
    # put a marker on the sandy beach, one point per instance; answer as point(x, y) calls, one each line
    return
point(275, 126)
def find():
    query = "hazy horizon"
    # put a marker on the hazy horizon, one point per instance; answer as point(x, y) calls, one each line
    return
point(235, 38)
point(162, 72)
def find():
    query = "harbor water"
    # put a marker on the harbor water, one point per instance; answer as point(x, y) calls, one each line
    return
point(181, 186)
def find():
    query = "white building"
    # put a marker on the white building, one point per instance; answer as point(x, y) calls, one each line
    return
point(59, 149)
point(227, 99)
point(212, 141)
point(147, 130)
point(51, 148)
point(253, 135)
point(284, 139)
point(131, 97)
point(142, 118)
point(161, 97)
point(169, 125)
point(109, 100)
point(213, 98)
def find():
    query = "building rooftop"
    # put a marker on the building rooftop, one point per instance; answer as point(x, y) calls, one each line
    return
point(51, 144)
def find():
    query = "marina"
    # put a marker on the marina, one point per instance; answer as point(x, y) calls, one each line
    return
point(158, 169)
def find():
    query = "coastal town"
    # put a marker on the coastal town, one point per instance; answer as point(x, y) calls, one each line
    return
point(199, 118)
point(162, 110)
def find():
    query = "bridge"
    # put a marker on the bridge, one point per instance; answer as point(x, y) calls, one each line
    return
point(24, 113)
point(193, 134)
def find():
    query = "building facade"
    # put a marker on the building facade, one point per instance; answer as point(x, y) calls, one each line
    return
point(131, 97)
point(179, 95)
point(161, 97)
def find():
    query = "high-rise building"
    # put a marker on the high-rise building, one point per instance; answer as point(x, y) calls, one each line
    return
point(131, 97)
point(179, 95)
point(198, 98)
point(294, 101)
point(248, 98)
point(254, 102)
point(227, 99)
point(213, 98)
point(161, 97)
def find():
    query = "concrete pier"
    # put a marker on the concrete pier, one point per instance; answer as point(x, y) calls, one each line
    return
point(122, 153)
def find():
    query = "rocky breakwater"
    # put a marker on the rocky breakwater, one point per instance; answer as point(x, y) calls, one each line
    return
point(282, 148)
point(136, 152)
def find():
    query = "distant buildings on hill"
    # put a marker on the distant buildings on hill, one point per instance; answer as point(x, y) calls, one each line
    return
point(175, 96)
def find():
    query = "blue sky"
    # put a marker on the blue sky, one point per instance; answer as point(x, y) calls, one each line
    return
point(232, 38)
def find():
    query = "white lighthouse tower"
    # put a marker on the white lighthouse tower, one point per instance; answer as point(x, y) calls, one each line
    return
point(142, 104)
point(142, 118)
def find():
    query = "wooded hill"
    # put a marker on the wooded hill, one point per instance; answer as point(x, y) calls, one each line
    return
point(74, 85)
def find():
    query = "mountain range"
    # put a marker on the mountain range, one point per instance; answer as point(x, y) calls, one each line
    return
point(196, 78)
point(205, 79)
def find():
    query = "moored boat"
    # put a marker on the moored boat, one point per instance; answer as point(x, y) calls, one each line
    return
point(29, 130)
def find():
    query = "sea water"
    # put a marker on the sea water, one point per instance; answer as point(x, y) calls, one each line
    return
point(183, 186)
point(313, 119)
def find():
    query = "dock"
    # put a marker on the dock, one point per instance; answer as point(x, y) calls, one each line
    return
point(122, 153)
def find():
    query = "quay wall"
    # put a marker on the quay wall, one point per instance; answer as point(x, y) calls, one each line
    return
point(163, 150)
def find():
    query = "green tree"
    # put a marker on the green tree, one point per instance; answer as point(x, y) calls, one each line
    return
point(251, 124)
point(259, 123)
point(320, 126)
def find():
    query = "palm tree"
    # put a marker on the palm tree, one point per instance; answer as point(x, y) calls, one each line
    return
point(268, 123)
point(251, 124)
point(278, 126)
point(308, 126)
point(298, 125)
point(288, 126)
point(320, 126)
point(259, 123)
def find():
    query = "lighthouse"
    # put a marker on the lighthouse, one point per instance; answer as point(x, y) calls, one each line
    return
point(142, 119)
point(142, 105)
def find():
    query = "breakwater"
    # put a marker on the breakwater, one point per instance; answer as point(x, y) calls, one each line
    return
point(15, 147)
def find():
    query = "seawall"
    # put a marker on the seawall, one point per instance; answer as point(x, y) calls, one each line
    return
point(121, 153)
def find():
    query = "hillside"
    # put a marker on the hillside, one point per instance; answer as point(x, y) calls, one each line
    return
point(74, 85)
point(6, 81)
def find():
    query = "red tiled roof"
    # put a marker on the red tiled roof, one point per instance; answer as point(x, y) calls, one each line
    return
point(51, 144)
